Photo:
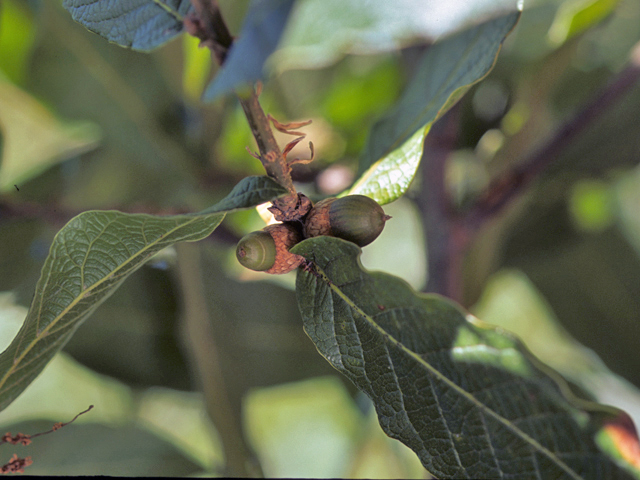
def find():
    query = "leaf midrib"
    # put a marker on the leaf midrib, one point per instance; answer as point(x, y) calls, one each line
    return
point(81, 295)
point(439, 376)
point(168, 9)
point(412, 128)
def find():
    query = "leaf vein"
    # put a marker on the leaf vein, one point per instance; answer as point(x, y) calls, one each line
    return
point(449, 383)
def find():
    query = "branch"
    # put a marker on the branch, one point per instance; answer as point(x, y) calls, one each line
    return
point(446, 238)
point(504, 189)
point(209, 26)
point(270, 155)
point(203, 351)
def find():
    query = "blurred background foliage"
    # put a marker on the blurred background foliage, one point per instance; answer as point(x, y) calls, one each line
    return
point(88, 125)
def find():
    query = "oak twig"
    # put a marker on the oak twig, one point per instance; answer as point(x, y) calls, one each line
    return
point(196, 331)
point(446, 238)
point(504, 189)
point(18, 464)
point(270, 155)
point(209, 26)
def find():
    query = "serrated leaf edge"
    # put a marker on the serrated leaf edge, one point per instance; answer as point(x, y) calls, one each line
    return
point(507, 424)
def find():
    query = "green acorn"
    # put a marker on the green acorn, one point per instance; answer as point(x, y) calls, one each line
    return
point(356, 218)
point(267, 250)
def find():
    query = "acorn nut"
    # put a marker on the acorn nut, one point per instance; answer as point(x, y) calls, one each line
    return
point(356, 218)
point(267, 250)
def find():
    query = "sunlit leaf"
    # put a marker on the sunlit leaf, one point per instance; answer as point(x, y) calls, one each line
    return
point(259, 37)
point(89, 258)
point(17, 34)
point(34, 139)
point(467, 398)
point(388, 179)
point(321, 32)
point(512, 302)
point(138, 24)
point(446, 71)
point(576, 16)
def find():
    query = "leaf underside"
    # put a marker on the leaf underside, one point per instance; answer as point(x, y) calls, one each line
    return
point(259, 37)
point(138, 24)
point(89, 259)
point(467, 398)
point(446, 71)
point(321, 32)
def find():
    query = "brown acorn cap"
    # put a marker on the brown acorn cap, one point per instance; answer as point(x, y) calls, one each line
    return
point(285, 236)
point(356, 218)
point(317, 222)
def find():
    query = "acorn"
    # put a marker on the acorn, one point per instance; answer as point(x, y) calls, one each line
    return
point(356, 218)
point(267, 250)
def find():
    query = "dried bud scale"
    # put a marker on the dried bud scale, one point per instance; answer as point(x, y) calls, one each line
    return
point(291, 208)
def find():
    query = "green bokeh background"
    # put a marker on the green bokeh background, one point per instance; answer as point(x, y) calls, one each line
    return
point(86, 124)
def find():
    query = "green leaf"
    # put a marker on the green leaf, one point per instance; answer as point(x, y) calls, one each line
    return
point(466, 397)
point(576, 16)
point(259, 37)
point(89, 259)
point(448, 68)
point(132, 336)
point(321, 32)
point(389, 178)
point(139, 24)
point(34, 139)
point(511, 301)
point(17, 35)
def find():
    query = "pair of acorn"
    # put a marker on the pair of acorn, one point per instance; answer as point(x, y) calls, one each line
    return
point(355, 218)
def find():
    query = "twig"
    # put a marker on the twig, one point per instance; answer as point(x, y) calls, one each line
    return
point(209, 26)
point(270, 155)
point(445, 235)
point(504, 189)
point(17, 464)
point(25, 439)
point(197, 333)
point(59, 425)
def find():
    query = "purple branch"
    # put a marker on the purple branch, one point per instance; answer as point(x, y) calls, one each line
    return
point(513, 183)
point(444, 245)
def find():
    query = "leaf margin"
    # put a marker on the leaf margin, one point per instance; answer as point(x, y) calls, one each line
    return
point(13, 357)
point(314, 251)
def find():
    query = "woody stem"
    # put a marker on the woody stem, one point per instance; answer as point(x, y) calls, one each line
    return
point(215, 34)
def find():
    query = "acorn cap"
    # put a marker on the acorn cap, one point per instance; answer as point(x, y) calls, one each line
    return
point(284, 236)
point(267, 250)
point(317, 222)
point(356, 218)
